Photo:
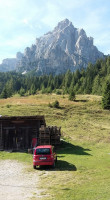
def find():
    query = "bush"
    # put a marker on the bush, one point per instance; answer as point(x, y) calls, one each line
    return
point(58, 92)
point(8, 106)
point(55, 104)
point(50, 105)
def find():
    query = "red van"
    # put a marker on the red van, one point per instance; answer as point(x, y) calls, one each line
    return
point(44, 155)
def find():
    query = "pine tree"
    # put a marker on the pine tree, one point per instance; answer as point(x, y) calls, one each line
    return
point(32, 89)
point(106, 96)
point(22, 91)
point(68, 78)
point(72, 95)
point(96, 89)
point(4, 94)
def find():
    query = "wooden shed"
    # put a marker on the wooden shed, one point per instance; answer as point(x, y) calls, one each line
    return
point(16, 132)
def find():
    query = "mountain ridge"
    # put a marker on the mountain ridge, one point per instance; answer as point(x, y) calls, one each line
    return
point(66, 47)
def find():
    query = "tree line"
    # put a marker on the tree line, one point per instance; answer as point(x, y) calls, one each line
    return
point(91, 80)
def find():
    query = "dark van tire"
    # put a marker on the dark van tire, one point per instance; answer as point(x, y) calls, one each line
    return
point(53, 166)
point(34, 166)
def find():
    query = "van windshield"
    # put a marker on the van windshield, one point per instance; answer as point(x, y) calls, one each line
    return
point(43, 151)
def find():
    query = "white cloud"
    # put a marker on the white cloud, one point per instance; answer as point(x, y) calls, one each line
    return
point(25, 21)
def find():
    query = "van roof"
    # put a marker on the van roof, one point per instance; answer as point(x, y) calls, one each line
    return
point(44, 146)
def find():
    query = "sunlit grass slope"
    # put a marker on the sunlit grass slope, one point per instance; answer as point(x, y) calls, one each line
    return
point(83, 168)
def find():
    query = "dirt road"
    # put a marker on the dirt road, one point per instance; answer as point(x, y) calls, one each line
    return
point(16, 182)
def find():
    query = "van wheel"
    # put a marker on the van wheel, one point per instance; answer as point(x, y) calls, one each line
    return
point(53, 166)
point(34, 166)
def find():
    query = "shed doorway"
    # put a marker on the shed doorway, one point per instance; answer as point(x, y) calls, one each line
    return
point(20, 138)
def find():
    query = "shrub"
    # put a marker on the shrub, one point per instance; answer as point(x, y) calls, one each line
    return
point(8, 106)
point(55, 104)
point(50, 105)
point(58, 92)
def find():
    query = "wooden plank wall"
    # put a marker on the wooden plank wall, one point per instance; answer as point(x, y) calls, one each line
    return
point(1, 136)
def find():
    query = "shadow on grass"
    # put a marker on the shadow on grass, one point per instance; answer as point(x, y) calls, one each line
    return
point(61, 165)
point(68, 148)
point(83, 100)
point(64, 148)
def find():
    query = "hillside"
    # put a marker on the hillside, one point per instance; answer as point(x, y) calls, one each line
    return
point(82, 170)
point(86, 81)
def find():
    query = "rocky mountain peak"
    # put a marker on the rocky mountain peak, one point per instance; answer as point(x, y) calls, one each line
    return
point(62, 25)
point(66, 47)
point(19, 55)
point(81, 32)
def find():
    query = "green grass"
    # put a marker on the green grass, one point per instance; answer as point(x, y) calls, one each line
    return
point(83, 168)
point(81, 173)
point(21, 157)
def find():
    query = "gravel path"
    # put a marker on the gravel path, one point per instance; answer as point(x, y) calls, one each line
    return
point(16, 183)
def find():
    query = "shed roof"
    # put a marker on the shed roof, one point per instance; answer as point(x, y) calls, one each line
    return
point(36, 117)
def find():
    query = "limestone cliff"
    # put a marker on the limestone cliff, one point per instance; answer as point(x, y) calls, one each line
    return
point(66, 47)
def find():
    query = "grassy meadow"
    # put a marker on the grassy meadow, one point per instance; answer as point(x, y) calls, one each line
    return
point(83, 168)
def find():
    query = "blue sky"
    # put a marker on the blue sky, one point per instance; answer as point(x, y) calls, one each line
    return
point(22, 21)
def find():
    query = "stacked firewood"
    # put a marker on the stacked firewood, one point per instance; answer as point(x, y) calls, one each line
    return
point(49, 135)
point(44, 136)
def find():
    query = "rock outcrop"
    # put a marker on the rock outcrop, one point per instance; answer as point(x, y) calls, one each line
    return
point(9, 64)
point(66, 47)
